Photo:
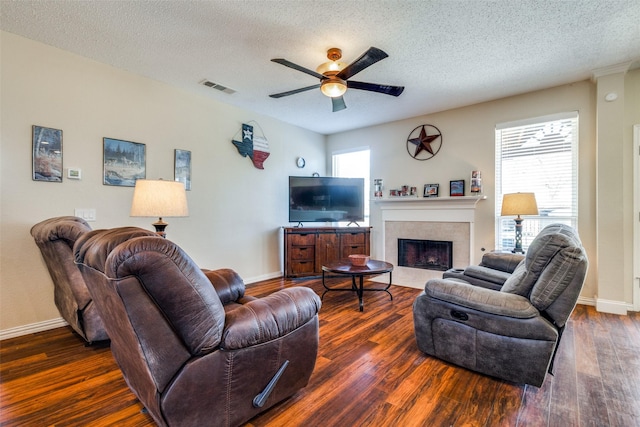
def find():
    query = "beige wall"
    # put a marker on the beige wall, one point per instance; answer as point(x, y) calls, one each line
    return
point(469, 144)
point(236, 210)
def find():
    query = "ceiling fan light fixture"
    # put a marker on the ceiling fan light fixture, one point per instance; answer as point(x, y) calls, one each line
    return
point(333, 87)
point(333, 67)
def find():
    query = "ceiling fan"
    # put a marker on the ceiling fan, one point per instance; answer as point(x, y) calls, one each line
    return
point(334, 76)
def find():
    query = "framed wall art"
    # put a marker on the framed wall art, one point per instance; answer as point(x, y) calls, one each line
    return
point(46, 154)
point(456, 188)
point(431, 190)
point(182, 168)
point(124, 162)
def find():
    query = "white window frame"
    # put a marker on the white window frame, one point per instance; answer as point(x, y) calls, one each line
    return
point(549, 140)
point(335, 171)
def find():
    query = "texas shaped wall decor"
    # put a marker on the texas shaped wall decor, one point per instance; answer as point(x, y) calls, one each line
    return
point(254, 146)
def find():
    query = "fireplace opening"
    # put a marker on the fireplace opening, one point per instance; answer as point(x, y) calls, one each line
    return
point(425, 254)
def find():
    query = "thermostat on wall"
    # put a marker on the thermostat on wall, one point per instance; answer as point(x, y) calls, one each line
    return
point(74, 173)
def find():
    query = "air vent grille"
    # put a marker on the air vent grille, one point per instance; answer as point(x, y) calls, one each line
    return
point(217, 86)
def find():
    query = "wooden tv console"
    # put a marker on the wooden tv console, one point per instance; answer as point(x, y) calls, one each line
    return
point(306, 250)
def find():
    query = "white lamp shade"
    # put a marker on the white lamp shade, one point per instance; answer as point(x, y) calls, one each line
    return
point(519, 204)
point(159, 198)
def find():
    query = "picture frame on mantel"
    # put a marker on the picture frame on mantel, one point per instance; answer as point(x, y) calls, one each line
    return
point(431, 190)
point(456, 188)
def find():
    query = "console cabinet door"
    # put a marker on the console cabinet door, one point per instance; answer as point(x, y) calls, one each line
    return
point(327, 249)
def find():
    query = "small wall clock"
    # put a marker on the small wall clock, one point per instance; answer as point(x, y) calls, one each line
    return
point(300, 162)
point(424, 142)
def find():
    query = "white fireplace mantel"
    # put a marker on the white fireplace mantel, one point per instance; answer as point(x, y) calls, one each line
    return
point(463, 202)
point(422, 210)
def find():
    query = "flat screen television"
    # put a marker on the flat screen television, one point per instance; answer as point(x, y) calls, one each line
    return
point(325, 199)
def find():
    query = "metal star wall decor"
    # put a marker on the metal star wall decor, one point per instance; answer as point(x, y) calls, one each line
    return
point(424, 142)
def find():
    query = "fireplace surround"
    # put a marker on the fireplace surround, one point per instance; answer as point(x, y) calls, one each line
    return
point(441, 219)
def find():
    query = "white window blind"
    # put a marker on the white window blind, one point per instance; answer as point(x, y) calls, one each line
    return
point(540, 156)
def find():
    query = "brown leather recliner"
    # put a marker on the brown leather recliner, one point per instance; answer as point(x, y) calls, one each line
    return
point(191, 346)
point(55, 237)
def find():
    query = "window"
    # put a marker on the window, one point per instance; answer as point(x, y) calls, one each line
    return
point(540, 156)
point(354, 164)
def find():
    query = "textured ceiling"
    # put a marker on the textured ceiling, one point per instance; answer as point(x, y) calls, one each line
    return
point(446, 53)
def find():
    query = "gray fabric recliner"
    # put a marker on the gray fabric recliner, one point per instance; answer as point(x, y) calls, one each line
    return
point(192, 347)
point(513, 333)
point(55, 238)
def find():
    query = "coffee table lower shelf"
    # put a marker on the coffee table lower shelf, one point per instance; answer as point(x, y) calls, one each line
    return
point(344, 268)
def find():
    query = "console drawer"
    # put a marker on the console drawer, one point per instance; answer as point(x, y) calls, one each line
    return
point(302, 239)
point(302, 252)
point(352, 238)
point(353, 250)
point(301, 267)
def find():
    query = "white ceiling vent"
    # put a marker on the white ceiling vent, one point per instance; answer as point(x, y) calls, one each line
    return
point(218, 87)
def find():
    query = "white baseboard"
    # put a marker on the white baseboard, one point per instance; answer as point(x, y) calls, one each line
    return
point(32, 328)
point(586, 301)
point(262, 277)
point(613, 307)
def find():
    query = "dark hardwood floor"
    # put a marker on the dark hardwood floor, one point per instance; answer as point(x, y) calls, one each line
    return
point(369, 372)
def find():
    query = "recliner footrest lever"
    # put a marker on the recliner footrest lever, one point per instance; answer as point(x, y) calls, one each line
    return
point(261, 398)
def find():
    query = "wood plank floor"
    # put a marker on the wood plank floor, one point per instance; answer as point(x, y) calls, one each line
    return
point(369, 372)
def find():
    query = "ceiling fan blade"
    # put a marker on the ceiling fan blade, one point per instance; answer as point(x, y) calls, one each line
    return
point(293, 92)
point(368, 58)
point(338, 103)
point(298, 67)
point(373, 87)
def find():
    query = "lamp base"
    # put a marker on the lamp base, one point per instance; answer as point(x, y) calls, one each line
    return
point(518, 248)
point(160, 225)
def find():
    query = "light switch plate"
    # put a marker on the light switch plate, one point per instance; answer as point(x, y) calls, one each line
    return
point(88, 214)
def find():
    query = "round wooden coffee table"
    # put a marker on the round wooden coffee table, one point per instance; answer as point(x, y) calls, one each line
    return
point(373, 268)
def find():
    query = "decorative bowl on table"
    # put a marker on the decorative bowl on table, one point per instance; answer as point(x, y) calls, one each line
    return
point(359, 260)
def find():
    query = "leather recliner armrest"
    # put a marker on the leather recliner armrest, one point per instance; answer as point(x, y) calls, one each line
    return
point(268, 318)
point(228, 284)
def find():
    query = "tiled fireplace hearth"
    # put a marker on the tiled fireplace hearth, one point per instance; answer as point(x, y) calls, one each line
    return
point(439, 219)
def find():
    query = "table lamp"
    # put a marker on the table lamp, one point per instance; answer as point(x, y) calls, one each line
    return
point(519, 204)
point(159, 198)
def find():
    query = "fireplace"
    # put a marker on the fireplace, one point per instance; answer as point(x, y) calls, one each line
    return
point(426, 254)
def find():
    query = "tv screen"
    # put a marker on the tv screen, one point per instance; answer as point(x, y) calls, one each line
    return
point(326, 199)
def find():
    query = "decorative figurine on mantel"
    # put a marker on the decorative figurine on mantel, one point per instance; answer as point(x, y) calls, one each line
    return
point(476, 183)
